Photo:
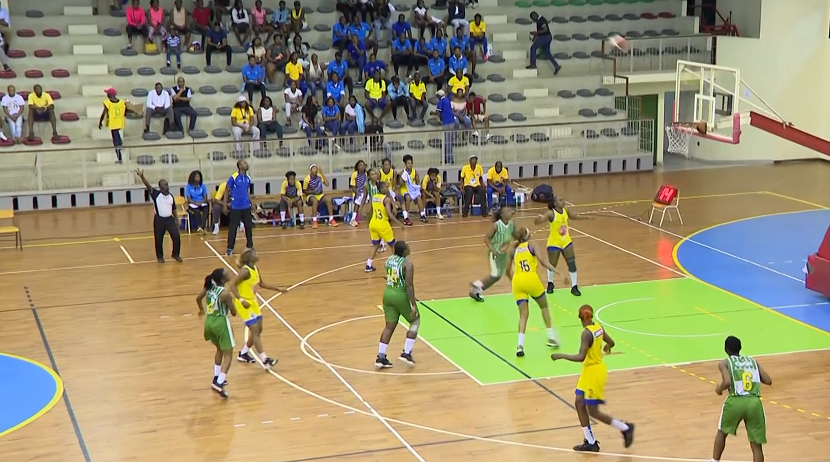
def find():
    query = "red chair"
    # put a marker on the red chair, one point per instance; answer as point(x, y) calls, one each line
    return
point(60, 73)
point(7, 143)
point(36, 141)
point(25, 33)
point(43, 54)
point(648, 16)
point(61, 139)
point(666, 15)
point(17, 54)
point(7, 75)
point(54, 94)
point(69, 117)
point(51, 33)
point(33, 74)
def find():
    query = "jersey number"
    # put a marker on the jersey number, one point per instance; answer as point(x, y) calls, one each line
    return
point(525, 266)
point(392, 276)
point(746, 381)
point(379, 214)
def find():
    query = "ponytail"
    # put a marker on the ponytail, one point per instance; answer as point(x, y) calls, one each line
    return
point(216, 278)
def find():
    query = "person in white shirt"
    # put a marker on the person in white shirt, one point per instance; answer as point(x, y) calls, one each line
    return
point(13, 107)
point(240, 22)
point(293, 101)
point(267, 119)
point(158, 103)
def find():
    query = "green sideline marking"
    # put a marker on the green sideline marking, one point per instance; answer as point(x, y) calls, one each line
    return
point(676, 320)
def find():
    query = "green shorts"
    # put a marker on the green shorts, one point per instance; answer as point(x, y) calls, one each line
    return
point(218, 332)
point(498, 264)
point(396, 305)
point(748, 409)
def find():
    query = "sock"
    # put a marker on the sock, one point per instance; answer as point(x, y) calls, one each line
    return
point(369, 262)
point(551, 333)
point(282, 215)
point(216, 226)
point(589, 435)
point(521, 339)
point(573, 279)
point(621, 426)
point(423, 213)
point(405, 214)
point(217, 368)
point(479, 287)
point(314, 220)
point(263, 356)
point(382, 349)
point(245, 350)
point(715, 460)
point(221, 378)
point(408, 344)
point(550, 276)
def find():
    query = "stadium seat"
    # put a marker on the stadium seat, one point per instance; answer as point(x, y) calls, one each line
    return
point(61, 139)
point(7, 75)
point(17, 54)
point(51, 33)
point(69, 117)
point(26, 33)
point(36, 141)
point(33, 74)
point(43, 54)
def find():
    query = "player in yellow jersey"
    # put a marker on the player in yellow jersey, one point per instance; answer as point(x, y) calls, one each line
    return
point(115, 116)
point(559, 240)
point(591, 384)
point(523, 259)
point(380, 228)
point(388, 175)
point(246, 287)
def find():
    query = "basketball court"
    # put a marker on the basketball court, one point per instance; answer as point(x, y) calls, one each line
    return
point(87, 300)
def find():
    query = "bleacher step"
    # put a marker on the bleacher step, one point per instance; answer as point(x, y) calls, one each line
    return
point(536, 92)
point(525, 73)
point(546, 112)
point(87, 50)
point(93, 69)
point(83, 29)
point(493, 19)
point(77, 11)
point(106, 157)
point(504, 37)
point(514, 54)
point(93, 90)
point(115, 180)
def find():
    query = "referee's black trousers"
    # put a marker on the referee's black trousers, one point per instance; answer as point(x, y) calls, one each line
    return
point(236, 216)
point(162, 225)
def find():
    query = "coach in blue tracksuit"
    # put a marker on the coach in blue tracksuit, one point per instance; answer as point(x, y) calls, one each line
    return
point(238, 195)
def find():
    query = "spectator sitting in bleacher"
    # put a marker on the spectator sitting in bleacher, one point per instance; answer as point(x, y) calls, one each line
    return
point(41, 109)
point(353, 119)
point(266, 116)
point(217, 42)
point(310, 122)
point(253, 79)
point(294, 73)
point(240, 22)
point(459, 82)
point(373, 65)
point(258, 51)
point(498, 182)
point(335, 90)
point(158, 103)
point(383, 18)
point(242, 122)
point(291, 196)
point(399, 97)
point(301, 49)
point(402, 54)
point(341, 68)
point(136, 23)
point(431, 190)
point(375, 96)
point(4, 58)
point(105, 6)
point(340, 34)
point(282, 19)
point(155, 22)
point(459, 109)
point(402, 28)
point(260, 24)
point(437, 70)
point(179, 22)
point(201, 20)
point(293, 100)
point(181, 106)
point(356, 56)
point(456, 15)
point(362, 30)
point(462, 53)
point(478, 36)
point(173, 44)
point(439, 43)
point(13, 105)
point(422, 19)
point(418, 97)
point(220, 9)
point(275, 58)
point(297, 18)
point(313, 190)
point(331, 117)
point(314, 77)
point(420, 54)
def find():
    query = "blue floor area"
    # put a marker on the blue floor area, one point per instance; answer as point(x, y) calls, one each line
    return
point(27, 390)
point(765, 262)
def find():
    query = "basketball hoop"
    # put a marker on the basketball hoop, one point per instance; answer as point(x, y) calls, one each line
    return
point(680, 133)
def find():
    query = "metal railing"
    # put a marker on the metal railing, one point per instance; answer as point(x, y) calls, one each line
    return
point(81, 169)
point(659, 54)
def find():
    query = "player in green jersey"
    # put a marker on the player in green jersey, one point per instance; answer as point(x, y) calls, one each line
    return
point(498, 240)
point(743, 377)
point(399, 302)
point(218, 331)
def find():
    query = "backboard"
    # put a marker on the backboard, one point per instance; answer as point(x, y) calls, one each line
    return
point(707, 93)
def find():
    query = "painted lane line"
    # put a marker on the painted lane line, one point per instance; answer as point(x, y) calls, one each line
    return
point(266, 422)
point(348, 412)
point(320, 416)
point(722, 252)
point(650, 334)
point(127, 254)
point(295, 418)
point(238, 425)
point(803, 305)
point(339, 377)
point(633, 254)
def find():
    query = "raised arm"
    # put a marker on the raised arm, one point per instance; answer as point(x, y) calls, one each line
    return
point(147, 184)
point(587, 339)
point(545, 217)
point(579, 216)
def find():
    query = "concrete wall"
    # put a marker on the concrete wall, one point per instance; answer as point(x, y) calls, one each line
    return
point(746, 14)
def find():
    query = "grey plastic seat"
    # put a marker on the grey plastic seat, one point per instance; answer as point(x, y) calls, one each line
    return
point(435, 143)
point(34, 14)
point(213, 69)
point(629, 131)
point(498, 139)
point(239, 155)
point(111, 32)
point(516, 117)
point(609, 133)
point(524, 21)
point(146, 71)
point(497, 118)
point(603, 92)
point(395, 146)
point(234, 69)
point(169, 159)
point(653, 51)
point(519, 138)
point(633, 34)
point(433, 121)
point(562, 56)
point(580, 37)
point(585, 93)
point(607, 112)
point(566, 94)
point(577, 19)
point(217, 156)
point(203, 112)
point(561, 38)
point(590, 134)
point(496, 59)
point(221, 133)
point(310, 10)
point(262, 153)
point(597, 36)
point(123, 72)
point(144, 159)
point(395, 124)
point(273, 87)
point(150, 136)
point(478, 79)
point(198, 134)
point(595, 18)
point(433, 100)
point(207, 90)
point(174, 135)
point(289, 129)
point(307, 151)
point(139, 92)
point(671, 51)
point(539, 137)
point(284, 151)
point(612, 18)
point(416, 145)
point(353, 148)
point(416, 123)
point(651, 33)
point(328, 9)
point(587, 113)
point(167, 70)
point(631, 17)
point(118, 13)
point(496, 78)
point(191, 70)
point(129, 52)
point(581, 55)
point(516, 97)
point(320, 46)
point(497, 98)
point(458, 141)
point(669, 32)
point(224, 111)
point(238, 49)
point(322, 28)
point(229, 89)
point(596, 54)
point(558, 20)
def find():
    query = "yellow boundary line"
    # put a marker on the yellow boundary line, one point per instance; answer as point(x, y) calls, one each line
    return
point(52, 402)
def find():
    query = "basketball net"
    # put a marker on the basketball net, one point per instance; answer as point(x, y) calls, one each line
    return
point(680, 133)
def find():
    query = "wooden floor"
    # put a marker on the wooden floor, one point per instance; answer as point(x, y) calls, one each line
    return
point(136, 369)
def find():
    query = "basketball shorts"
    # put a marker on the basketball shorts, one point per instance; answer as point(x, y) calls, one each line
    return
point(748, 409)
point(591, 384)
point(498, 264)
point(250, 315)
point(381, 231)
point(525, 288)
point(559, 245)
point(396, 305)
point(413, 194)
point(218, 332)
point(319, 197)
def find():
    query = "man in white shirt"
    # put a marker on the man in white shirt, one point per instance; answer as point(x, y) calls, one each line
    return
point(13, 107)
point(293, 100)
point(158, 103)
point(164, 220)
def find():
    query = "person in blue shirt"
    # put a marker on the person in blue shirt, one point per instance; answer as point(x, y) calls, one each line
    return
point(253, 76)
point(373, 65)
point(401, 27)
point(331, 117)
point(198, 201)
point(421, 53)
point(363, 31)
point(399, 97)
point(340, 34)
point(448, 123)
point(458, 62)
point(217, 42)
point(439, 43)
point(462, 41)
point(437, 70)
point(402, 54)
point(341, 68)
point(282, 19)
point(356, 56)
point(335, 90)
point(237, 195)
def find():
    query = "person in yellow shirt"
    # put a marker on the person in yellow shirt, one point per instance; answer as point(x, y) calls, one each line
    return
point(498, 182)
point(471, 179)
point(291, 195)
point(243, 122)
point(293, 71)
point(376, 96)
point(478, 36)
point(459, 82)
point(418, 96)
point(41, 109)
point(431, 190)
point(114, 114)
point(559, 239)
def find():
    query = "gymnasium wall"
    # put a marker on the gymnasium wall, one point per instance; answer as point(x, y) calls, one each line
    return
point(746, 14)
point(789, 67)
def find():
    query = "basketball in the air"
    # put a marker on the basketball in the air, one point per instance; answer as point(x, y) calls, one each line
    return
point(618, 42)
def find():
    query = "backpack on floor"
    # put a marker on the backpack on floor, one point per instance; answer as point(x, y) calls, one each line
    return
point(542, 193)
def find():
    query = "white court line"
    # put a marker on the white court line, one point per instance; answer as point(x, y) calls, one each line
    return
point(650, 334)
point(684, 239)
point(127, 254)
point(633, 254)
point(804, 305)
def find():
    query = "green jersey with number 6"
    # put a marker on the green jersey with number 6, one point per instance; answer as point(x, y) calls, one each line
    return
point(746, 379)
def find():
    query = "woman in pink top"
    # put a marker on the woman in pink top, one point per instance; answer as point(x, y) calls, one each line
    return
point(260, 22)
point(156, 17)
point(136, 22)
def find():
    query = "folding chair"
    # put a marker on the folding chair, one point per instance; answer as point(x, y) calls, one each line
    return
point(181, 202)
point(11, 229)
point(664, 210)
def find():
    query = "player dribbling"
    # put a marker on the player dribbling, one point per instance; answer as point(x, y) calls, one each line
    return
point(399, 302)
point(498, 240)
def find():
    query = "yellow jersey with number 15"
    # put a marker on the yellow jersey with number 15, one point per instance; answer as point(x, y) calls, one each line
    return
point(594, 354)
point(560, 234)
point(379, 210)
point(524, 262)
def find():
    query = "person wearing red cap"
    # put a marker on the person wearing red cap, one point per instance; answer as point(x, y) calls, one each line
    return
point(114, 114)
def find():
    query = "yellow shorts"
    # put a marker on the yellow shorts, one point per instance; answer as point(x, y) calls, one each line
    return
point(591, 384)
point(527, 287)
point(248, 315)
point(319, 197)
point(381, 231)
point(559, 244)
